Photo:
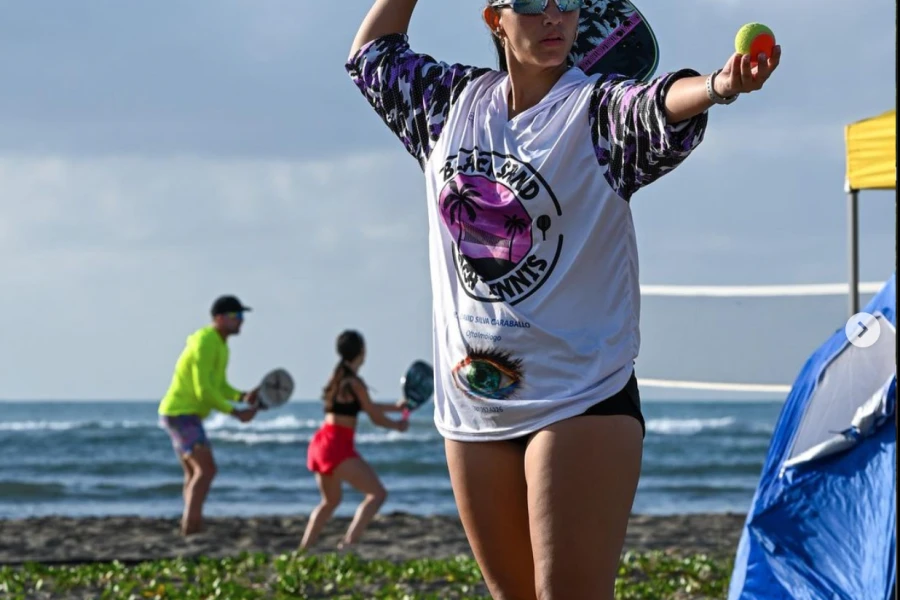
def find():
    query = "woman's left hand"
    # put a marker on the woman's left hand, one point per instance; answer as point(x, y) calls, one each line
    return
point(740, 77)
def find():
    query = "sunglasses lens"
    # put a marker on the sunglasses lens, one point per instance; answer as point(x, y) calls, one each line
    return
point(529, 7)
point(536, 7)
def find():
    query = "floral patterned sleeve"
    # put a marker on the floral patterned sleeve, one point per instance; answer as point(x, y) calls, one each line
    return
point(411, 92)
point(631, 135)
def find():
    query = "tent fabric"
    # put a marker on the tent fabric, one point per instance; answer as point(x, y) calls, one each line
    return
point(871, 146)
point(854, 373)
point(824, 528)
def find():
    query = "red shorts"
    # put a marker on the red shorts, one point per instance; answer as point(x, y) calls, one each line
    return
point(330, 446)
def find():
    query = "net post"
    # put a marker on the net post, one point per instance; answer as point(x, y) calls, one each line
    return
point(853, 242)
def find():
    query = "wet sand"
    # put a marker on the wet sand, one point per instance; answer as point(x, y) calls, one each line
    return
point(395, 536)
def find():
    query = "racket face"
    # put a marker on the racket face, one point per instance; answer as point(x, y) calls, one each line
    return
point(275, 389)
point(418, 384)
point(615, 38)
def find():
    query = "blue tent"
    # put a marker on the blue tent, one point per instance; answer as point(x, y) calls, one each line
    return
point(823, 520)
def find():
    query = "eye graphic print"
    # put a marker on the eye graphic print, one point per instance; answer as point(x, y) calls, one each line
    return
point(489, 374)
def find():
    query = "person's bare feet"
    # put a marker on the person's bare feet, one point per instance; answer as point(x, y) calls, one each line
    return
point(191, 529)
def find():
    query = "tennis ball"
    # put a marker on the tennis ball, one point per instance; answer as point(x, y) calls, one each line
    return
point(753, 39)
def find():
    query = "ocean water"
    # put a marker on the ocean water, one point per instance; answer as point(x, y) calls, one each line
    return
point(104, 458)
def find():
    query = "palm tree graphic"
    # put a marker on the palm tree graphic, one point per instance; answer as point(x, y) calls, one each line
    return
point(514, 224)
point(458, 200)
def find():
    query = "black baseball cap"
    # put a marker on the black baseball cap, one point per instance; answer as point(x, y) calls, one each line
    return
point(228, 304)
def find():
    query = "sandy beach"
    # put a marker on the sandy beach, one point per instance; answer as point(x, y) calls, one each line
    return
point(395, 536)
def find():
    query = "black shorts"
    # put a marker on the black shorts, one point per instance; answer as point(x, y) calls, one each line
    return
point(626, 401)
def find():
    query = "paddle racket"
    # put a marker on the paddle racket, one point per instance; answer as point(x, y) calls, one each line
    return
point(275, 389)
point(417, 386)
point(614, 37)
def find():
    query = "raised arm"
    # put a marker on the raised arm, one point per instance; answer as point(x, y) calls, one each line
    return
point(632, 134)
point(641, 131)
point(411, 92)
point(384, 18)
point(688, 97)
point(375, 412)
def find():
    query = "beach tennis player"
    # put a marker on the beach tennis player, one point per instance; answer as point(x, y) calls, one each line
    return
point(529, 171)
point(199, 386)
point(332, 454)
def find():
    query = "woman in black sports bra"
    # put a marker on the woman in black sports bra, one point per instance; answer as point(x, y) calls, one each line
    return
point(332, 454)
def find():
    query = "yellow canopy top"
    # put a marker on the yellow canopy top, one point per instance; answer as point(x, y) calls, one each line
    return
point(872, 153)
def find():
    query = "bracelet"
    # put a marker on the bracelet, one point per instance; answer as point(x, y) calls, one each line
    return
point(711, 90)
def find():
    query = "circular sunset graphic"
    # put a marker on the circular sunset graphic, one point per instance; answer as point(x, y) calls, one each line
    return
point(489, 225)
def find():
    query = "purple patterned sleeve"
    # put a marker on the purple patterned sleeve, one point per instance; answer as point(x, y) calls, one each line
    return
point(411, 92)
point(631, 136)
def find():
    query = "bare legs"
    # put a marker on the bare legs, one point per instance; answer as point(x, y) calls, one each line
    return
point(560, 506)
point(330, 488)
point(199, 471)
point(582, 475)
point(488, 481)
point(361, 476)
point(188, 475)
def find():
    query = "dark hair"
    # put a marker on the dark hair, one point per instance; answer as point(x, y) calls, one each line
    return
point(349, 346)
point(501, 54)
point(498, 46)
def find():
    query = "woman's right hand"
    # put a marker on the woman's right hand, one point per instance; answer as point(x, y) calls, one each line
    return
point(402, 425)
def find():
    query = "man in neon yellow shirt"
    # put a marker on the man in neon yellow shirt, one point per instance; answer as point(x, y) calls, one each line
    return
point(199, 386)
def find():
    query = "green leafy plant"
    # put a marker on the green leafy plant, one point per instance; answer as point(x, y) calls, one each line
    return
point(642, 576)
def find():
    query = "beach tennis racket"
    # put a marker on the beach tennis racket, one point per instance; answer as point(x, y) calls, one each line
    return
point(614, 37)
point(417, 386)
point(275, 389)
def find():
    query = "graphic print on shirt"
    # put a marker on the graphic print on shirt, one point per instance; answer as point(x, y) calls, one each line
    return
point(488, 373)
point(505, 223)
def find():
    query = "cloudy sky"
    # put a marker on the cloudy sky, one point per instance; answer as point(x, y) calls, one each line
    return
point(156, 154)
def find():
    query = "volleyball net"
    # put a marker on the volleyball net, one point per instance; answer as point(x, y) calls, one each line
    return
point(740, 292)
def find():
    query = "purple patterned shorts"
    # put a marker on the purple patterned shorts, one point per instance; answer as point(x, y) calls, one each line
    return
point(186, 432)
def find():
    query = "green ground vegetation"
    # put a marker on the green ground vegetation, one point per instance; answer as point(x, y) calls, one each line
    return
point(642, 576)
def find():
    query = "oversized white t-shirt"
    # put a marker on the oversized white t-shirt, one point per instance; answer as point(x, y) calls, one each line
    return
point(534, 265)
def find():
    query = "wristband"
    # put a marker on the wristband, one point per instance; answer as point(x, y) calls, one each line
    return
point(711, 91)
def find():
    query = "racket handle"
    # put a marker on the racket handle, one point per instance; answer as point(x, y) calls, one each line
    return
point(406, 414)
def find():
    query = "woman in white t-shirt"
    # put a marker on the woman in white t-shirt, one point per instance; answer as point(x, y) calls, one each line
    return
point(529, 172)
